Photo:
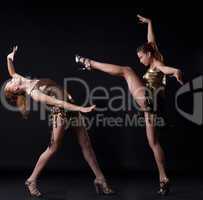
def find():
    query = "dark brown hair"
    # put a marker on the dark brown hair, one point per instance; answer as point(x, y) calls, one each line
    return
point(150, 48)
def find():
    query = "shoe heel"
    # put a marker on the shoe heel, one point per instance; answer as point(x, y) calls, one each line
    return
point(97, 188)
point(27, 191)
point(102, 188)
point(27, 184)
point(164, 189)
point(83, 62)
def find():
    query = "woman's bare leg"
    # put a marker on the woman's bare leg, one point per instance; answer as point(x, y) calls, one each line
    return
point(100, 182)
point(136, 88)
point(112, 69)
point(87, 150)
point(155, 146)
point(57, 135)
point(135, 84)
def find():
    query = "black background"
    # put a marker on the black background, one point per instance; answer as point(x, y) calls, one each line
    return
point(50, 34)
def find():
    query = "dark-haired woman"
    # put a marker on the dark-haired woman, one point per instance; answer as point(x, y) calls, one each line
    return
point(62, 109)
point(154, 80)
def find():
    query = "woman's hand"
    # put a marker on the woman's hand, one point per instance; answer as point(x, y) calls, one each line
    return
point(87, 109)
point(12, 54)
point(179, 76)
point(143, 19)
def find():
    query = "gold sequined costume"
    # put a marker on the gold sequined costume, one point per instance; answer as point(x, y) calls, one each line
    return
point(155, 82)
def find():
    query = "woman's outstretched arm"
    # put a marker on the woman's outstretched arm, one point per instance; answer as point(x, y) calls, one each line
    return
point(43, 98)
point(150, 35)
point(173, 72)
point(150, 32)
point(10, 58)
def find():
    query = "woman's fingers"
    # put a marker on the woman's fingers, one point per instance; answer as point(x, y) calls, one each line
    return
point(93, 107)
point(180, 81)
point(179, 78)
point(139, 16)
point(15, 48)
point(11, 55)
point(143, 19)
point(88, 109)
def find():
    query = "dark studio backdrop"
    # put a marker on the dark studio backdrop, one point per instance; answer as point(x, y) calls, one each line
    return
point(50, 35)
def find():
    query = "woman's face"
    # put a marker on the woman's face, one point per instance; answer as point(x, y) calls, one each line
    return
point(13, 87)
point(145, 58)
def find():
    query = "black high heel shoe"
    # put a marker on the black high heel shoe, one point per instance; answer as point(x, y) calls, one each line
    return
point(31, 187)
point(164, 188)
point(85, 62)
point(102, 188)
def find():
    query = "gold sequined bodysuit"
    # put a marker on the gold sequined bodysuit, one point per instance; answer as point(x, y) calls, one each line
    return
point(155, 81)
point(57, 116)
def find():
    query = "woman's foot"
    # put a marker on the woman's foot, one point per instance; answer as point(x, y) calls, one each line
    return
point(102, 188)
point(85, 62)
point(164, 187)
point(32, 188)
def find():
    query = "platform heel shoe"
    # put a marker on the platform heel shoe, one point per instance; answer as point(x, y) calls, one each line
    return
point(164, 187)
point(102, 188)
point(31, 187)
point(84, 62)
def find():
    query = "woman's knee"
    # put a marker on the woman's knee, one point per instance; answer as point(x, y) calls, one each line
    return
point(85, 143)
point(127, 70)
point(142, 104)
point(153, 143)
point(53, 147)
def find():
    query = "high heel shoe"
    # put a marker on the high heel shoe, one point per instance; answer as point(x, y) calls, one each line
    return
point(164, 187)
point(31, 187)
point(102, 188)
point(85, 62)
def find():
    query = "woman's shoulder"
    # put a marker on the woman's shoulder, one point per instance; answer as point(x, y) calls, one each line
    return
point(16, 75)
